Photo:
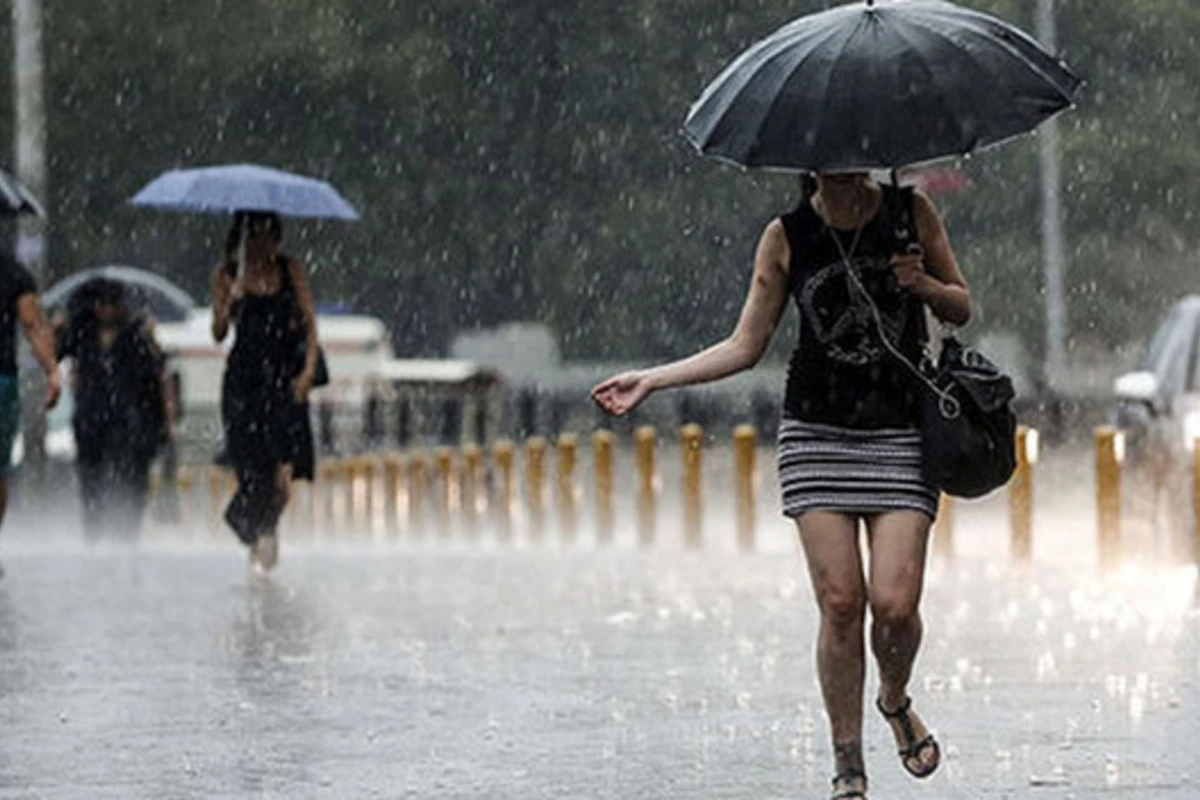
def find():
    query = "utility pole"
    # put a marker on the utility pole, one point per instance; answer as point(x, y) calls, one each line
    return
point(30, 146)
point(1053, 249)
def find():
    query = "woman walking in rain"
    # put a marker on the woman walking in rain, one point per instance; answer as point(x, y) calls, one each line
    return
point(121, 416)
point(849, 448)
point(265, 296)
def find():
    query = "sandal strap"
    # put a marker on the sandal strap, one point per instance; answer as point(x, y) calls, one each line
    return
point(900, 715)
point(849, 774)
point(916, 748)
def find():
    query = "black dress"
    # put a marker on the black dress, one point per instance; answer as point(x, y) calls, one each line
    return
point(265, 427)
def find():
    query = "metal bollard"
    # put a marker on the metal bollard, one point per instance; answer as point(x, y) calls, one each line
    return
point(535, 484)
point(1020, 495)
point(503, 453)
point(602, 454)
point(185, 482)
point(1110, 452)
point(691, 440)
point(568, 447)
point(745, 453)
point(645, 444)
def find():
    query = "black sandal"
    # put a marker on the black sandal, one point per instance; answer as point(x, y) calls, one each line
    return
point(847, 775)
point(912, 749)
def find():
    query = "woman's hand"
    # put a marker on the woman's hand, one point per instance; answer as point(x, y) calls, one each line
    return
point(622, 393)
point(304, 385)
point(910, 272)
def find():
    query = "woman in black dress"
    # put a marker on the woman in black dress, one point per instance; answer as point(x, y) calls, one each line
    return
point(121, 417)
point(265, 296)
point(849, 444)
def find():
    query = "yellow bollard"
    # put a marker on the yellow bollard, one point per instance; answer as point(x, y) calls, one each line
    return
point(472, 471)
point(503, 454)
point(1020, 496)
point(691, 440)
point(602, 454)
point(943, 527)
point(1196, 504)
point(568, 447)
point(745, 452)
point(535, 484)
point(185, 483)
point(395, 504)
point(1110, 452)
point(217, 494)
point(325, 497)
point(418, 491)
point(446, 489)
point(645, 443)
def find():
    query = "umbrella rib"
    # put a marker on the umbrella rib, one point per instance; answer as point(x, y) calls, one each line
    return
point(1017, 55)
point(785, 45)
point(829, 75)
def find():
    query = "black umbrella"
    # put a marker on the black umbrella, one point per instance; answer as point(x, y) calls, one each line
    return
point(879, 86)
point(16, 199)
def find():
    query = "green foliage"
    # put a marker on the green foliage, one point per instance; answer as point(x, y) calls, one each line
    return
point(521, 159)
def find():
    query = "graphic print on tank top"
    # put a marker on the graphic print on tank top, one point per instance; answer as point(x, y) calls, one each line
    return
point(842, 319)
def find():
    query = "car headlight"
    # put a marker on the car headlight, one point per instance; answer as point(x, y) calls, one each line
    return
point(1191, 429)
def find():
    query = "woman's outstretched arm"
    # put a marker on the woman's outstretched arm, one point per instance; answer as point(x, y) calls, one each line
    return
point(741, 350)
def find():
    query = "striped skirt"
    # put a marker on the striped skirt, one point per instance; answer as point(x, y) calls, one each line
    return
point(856, 471)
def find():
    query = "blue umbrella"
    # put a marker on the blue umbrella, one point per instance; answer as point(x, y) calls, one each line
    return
point(244, 187)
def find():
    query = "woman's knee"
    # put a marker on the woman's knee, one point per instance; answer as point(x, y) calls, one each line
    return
point(894, 606)
point(842, 606)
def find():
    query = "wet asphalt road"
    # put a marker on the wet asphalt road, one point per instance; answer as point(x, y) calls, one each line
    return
point(435, 670)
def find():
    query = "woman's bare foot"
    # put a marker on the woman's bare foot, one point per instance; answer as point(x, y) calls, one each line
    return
point(265, 554)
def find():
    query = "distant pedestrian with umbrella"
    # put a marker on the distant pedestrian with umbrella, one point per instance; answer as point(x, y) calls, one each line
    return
point(833, 95)
point(19, 306)
point(122, 417)
point(263, 296)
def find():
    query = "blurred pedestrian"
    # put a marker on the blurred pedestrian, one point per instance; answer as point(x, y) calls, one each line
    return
point(19, 305)
point(849, 446)
point(121, 417)
point(272, 367)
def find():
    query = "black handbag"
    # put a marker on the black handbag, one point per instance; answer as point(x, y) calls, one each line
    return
point(321, 373)
point(968, 428)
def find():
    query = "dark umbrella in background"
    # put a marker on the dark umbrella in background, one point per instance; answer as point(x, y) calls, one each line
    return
point(879, 86)
point(16, 200)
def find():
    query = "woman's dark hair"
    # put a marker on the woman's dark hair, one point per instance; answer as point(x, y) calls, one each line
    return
point(243, 218)
point(808, 185)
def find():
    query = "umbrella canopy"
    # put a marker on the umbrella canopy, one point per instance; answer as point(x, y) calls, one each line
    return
point(16, 199)
point(244, 187)
point(879, 86)
point(147, 292)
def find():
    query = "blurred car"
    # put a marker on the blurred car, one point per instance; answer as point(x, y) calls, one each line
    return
point(1158, 408)
point(1158, 404)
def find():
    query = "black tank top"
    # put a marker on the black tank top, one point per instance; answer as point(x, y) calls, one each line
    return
point(840, 374)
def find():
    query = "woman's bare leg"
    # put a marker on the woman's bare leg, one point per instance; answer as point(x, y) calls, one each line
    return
point(830, 541)
point(898, 542)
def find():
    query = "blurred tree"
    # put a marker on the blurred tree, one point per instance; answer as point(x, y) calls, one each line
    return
point(521, 159)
